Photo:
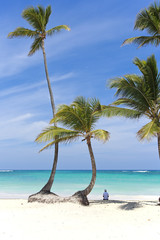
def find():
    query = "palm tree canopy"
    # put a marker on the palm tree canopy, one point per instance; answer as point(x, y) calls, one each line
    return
point(38, 19)
point(80, 118)
point(149, 20)
point(142, 94)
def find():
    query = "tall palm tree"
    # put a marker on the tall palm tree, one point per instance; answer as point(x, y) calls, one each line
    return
point(142, 94)
point(149, 20)
point(38, 19)
point(80, 118)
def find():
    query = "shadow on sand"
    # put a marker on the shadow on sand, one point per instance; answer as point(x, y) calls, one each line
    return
point(124, 205)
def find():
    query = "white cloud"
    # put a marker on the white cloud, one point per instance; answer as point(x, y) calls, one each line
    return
point(19, 129)
point(15, 51)
point(20, 118)
point(23, 87)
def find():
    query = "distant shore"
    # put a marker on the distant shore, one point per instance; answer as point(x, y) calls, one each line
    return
point(115, 219)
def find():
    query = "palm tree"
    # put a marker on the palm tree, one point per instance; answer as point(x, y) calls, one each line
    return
point(80, 118)
point(142, 94)
point(149, 20)
point(38, 19)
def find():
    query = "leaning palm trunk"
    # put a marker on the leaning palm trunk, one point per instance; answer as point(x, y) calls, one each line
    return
point(158, 135)
point(92, 182)
point(48, 186)
point(48, 81)
point(83, 194)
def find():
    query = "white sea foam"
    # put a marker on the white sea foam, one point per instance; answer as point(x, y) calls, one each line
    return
point(141, 171)
point(6, 170)
point(13, 196)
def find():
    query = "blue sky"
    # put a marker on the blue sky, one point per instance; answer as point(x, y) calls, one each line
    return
point(80, 63)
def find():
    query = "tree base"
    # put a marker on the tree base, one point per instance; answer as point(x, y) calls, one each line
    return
point(49, 197)
point(44, 197)
point(81, 198)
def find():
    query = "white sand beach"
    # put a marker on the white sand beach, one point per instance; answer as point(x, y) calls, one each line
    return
point(112, 219)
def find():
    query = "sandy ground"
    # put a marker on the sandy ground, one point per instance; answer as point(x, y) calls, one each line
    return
point(101, 220)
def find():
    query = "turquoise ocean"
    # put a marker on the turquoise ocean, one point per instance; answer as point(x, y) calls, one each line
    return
point(120, 184)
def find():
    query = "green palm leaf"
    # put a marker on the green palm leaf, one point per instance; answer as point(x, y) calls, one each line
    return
point(80, 117)
point(36, 45)
point(111, 111)
point(53, 132)
point(131, 87)
point(47, 15)
point(149, 20)
point(33, 17)
point(70, 117)
point(57, 29)
point(58, 134)
point(140, 94)
point(148, 131)
point(23, 32)
point(100, 135)
point(151, 77)
point(143, 40)
point(65, 140)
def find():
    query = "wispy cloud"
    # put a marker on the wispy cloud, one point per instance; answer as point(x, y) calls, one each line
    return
point(87, 33)
point(20, 118)
point(20, 129)
point(23, 87)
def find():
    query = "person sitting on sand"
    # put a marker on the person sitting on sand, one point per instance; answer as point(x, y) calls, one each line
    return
point(105, 195)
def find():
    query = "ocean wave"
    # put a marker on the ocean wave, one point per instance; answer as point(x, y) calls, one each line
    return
point(6, 170)
point(141, 171)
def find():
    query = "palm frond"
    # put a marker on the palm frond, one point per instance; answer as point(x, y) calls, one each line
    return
point(148, 20)
point(88, 109)
point(47, 14)
point(140, 93)
point(150, 71)
point(41, 11)
point(36, 45)
point(22, 32)
point(69, 117)
point(57, 29)
point(143, 40)
point(131, 87)
point(111, 111)
point(76, 116)
point(65, 140)
point(56, 133)
point(148, 131)
point(138, 107)
point(49, 145)
point(33, 17)
point(100, 135)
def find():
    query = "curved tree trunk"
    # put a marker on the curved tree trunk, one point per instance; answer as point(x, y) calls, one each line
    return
point(47, 187)
point(83, 194)
point(48, 81)
point(158, 135)
point(93, 180)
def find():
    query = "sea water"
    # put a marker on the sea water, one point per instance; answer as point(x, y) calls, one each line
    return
point(120, 184)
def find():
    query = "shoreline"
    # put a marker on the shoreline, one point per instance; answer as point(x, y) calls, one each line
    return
point(92, 197)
